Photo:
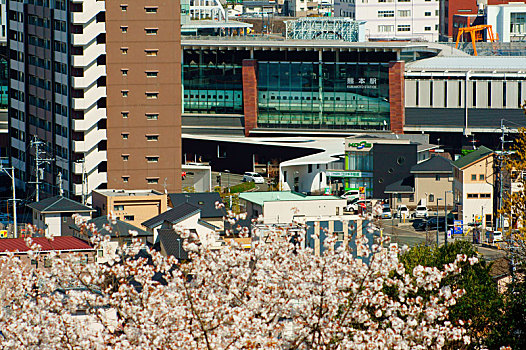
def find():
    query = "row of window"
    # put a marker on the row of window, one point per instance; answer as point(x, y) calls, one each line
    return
point(149, 116)
point(481, 177)
point(148, 31)
point(149, 95)
point(386, 28)
point(149, 159)
point(149, 73)
point(148, 52)
point(402, 13)
point(478, 195)
point(149, 180)
point(149, 137)
point(147, 9)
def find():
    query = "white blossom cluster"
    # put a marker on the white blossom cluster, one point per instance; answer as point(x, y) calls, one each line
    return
point(276, 295)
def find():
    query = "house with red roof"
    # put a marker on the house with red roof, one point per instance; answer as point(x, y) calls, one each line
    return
point(65, 246)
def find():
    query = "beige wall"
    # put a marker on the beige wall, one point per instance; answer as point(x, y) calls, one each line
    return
point(427, 184)
point(141, 207)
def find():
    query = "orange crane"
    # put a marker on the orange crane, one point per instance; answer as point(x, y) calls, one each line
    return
point(476, 34)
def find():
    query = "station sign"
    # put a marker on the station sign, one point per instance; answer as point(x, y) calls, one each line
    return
point(359, 145)
point(349, 174)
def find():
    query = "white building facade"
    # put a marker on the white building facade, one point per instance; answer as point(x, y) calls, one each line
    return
point(58, 91)
point(393, 19)
point(508, 21)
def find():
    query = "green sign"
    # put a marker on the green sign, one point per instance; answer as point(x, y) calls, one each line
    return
point(360, 145)
point(349, 174)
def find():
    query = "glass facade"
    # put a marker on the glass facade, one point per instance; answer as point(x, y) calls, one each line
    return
point(213, 88)
point(361, 162)
point(323, 95)
point(4, 84)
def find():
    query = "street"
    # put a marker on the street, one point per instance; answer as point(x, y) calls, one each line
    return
point(406, 235)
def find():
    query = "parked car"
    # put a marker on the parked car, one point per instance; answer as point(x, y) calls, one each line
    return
point(253, 177)
point(351, 195)
point(386, 213)
point(354, 206)
point(402, 211)
point(421, 212)
point(431, 224)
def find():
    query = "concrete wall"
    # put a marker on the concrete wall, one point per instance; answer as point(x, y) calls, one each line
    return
point(499, 16)
point(278, 212)
point(313, 182)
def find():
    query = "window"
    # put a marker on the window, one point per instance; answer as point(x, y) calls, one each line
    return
point(285, 176)
point(151, 31)
point(309, 168)
point(428, 29)
point(129, 217)
point(473, 177)
point(124, 29)
point(151, 52)
point(431, 197)
point(150, 9)
point(427, 14)
point(385, 14)
point(404, 13)
point(125, 135)
point(124, 93)
point(412, 197)
point(473, 195)
point(125, 179)
point(124, 72)
point(125, 157)
point(124, 50)
point(152, 137)
point(152, 95)
point(124, 8)
point(152, 116)
point(481, 177)
point(152, 159)
point(518, 23)
point(437, 177)
point(404, 28)
point(152, 180)
point(485, 195)
point(125, 114)
point(151, 74)
point(118, 207)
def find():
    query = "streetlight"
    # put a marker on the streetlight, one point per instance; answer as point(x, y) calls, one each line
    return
point(228, 179)
point(438, 199)
point(12, 176)
point(445, 213)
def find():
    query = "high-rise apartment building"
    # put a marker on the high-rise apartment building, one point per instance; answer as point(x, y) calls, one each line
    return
point(393, 19)
point(98, 83)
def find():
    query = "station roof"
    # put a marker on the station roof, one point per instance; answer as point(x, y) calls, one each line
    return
point(469, 63)
point(208, 24)
point(261, 197)
point(280, 43)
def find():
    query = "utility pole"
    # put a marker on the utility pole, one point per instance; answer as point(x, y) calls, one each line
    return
point(12, 176)
point(59, 181)
point(38, 163)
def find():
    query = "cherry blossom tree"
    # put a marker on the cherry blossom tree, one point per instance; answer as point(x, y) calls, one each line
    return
point(277, 295)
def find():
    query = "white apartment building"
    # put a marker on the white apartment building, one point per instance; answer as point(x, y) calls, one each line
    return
point(304, 8)
point(393, 19)
point(508, 21)
point(58, 91)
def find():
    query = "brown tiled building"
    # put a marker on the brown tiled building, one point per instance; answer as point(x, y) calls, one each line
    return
point(144, 94)
point(98, 83)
